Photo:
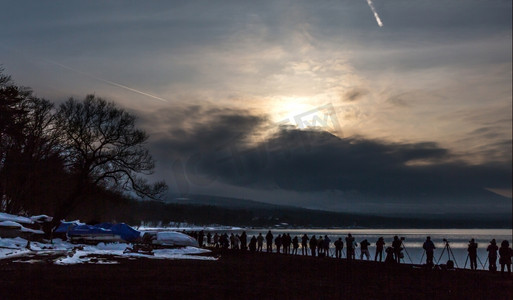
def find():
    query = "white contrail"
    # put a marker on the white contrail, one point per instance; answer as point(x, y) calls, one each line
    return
point(106, 81)
point(380, 24)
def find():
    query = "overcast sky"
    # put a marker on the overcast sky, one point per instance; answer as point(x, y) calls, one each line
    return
point(321, 104)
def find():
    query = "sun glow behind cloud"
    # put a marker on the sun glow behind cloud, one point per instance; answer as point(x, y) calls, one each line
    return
point(402, 84)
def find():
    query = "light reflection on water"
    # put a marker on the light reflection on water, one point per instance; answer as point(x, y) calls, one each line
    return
point(414, 238)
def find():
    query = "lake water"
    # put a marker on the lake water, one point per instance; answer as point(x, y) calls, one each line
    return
point(414, 238)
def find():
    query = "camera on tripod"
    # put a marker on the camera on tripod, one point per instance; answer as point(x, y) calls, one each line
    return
point(447, 247)
point(403, 238)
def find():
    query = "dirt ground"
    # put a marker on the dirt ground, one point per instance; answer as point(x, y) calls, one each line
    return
point(238, 275)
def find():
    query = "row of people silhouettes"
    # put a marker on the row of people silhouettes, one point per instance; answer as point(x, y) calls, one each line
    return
point(321, 247)
point(505, 253)
point(492, 249)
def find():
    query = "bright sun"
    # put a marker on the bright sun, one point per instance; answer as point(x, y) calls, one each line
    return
point(288, 108)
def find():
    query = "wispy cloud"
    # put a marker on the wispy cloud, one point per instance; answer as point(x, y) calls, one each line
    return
point(106, 81)
point(378, 20)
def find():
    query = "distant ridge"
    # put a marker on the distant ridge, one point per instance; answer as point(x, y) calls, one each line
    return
point(265, 214)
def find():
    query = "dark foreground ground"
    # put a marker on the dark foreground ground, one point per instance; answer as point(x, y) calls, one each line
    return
point(246, 276)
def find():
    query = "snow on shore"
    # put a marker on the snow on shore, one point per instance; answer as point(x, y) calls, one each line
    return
point(76, 253)
point(15, 218)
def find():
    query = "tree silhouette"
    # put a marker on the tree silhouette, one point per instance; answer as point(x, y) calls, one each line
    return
point(13, 117)
point(101, 147)
point(32, 162)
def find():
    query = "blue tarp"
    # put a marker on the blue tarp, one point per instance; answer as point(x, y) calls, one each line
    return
point(126, 232)
point(88, 229)
point(65, 226)
point(104, 225)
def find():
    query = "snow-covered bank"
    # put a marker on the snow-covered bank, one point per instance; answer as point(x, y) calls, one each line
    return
point(66, 253)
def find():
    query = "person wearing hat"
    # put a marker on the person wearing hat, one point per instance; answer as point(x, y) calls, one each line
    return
point(472, 254)
point(492, 255)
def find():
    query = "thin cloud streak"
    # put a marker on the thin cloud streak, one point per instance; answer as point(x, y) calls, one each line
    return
point(106, 81)
point(378, 20)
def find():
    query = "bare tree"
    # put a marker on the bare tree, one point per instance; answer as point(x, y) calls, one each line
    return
point(13, 118)
point(102, 147)
point(32, 162)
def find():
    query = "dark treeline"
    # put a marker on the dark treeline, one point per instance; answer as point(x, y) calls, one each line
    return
point(113, 207)
point(56, 158)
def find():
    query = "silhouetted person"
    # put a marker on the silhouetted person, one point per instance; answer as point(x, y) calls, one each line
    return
point(295, 244)
point(350, 246)
point(313, 245)
point(260, 242)
point(429, 247)
point(327, 242)
point(339, 245)
point(232, 241)
point(304, 244)
point(201, 235)
point(380, 244)
point(505, 253)
point(389, 259)
point(269, 241)
point(284, 243)
point(364, 249)
point(492, 255)
point(472, 254)
point(237, 242)
point(209, 238)
point(216, 240)
point(320, 246)
point(277, 242)
point(396, 245)
point(252, 244)
point(224, 241)
point(286, 240)
point(243, 241)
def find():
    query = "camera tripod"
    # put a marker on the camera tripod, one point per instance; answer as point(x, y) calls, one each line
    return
point(404, 247)
point(449, 253)
point(483, 266)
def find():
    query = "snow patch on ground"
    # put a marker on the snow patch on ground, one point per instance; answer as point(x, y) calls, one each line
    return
point(103, 253)
point(10, 224)
point(15, 218)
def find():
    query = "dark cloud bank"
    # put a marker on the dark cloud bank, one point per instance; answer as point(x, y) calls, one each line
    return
point(218, 148)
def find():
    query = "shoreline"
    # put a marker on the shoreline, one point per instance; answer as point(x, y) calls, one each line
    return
point(237, 274)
